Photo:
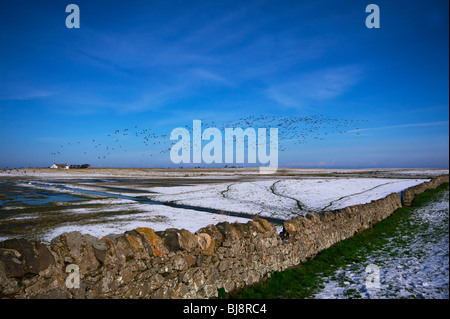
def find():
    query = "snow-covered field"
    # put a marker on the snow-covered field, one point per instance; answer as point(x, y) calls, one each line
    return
point(112, 198)
point(284, 199)
point(413, 264)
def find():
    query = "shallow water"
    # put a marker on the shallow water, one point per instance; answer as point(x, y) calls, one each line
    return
point(23, 195)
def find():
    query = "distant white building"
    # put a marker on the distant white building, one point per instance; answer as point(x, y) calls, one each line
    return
point(60, 166)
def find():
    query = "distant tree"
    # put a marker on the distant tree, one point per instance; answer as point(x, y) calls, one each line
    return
point(85, 166)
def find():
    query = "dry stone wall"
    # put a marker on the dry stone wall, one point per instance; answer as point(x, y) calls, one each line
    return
point(409, 193)
point(175, 263)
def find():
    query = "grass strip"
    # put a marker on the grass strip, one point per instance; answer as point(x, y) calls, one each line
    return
point(305, 280)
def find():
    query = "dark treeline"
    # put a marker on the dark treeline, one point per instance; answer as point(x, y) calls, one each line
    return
point(79, 166)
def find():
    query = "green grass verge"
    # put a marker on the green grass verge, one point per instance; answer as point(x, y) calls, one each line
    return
point(304, 280)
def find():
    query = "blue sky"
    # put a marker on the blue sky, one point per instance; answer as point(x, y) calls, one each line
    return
point(147, 67)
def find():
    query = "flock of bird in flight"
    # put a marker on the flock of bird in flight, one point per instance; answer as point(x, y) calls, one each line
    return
point(291, 131)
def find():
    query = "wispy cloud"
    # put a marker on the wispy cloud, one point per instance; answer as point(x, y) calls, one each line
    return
point(390, 127)
point(325, 84)
point(16, 91)
point(210, 76)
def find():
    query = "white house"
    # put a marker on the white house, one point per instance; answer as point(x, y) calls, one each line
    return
point(60, 166)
